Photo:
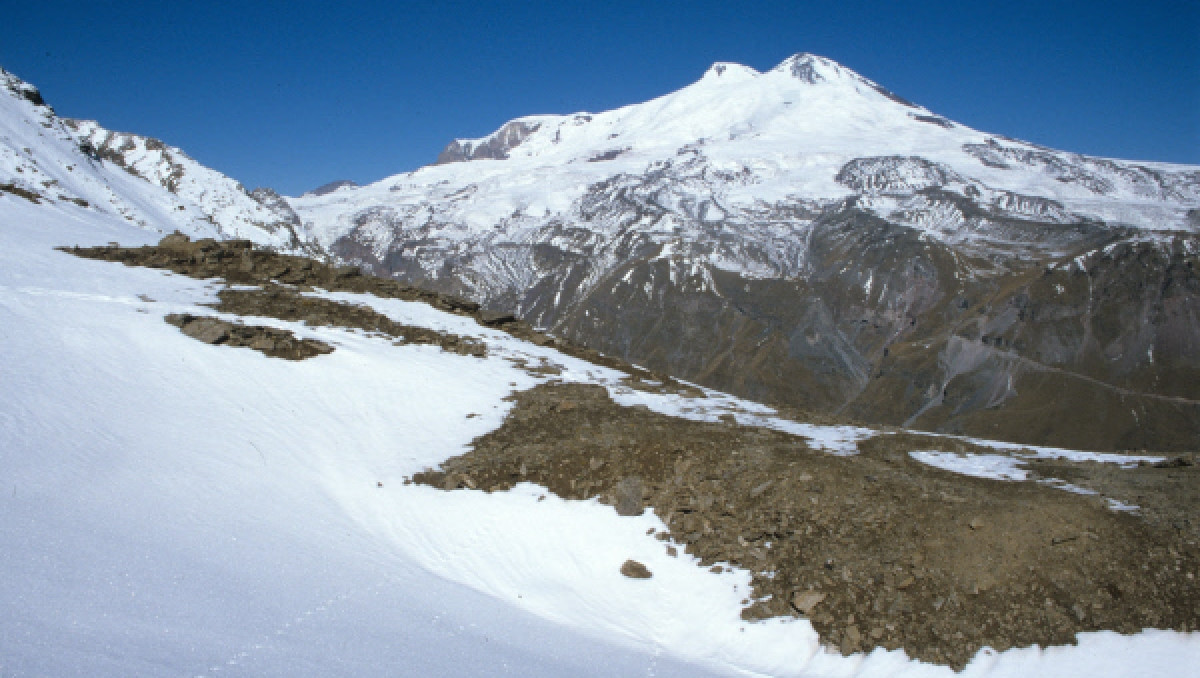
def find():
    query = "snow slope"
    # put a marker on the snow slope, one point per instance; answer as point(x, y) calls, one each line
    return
point(178, 508)
point(138, 179)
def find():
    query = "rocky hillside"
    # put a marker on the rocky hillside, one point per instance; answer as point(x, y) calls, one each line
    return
point(46, 158)
point(806, 237)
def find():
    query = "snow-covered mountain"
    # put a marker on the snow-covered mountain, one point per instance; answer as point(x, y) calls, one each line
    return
point(805, 236)
point(45, 158)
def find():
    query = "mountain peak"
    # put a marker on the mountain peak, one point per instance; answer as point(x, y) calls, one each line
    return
point(727, 70)
point(332, 186)
point(22, 90)
point(812, 69)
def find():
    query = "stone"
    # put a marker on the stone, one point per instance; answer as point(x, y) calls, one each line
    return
point(177, 242)
point(761, 488)
point(805, 601)
point(628, 494)
point(852, 634)
point(496, 318)
point(262, 343)
point(635, 570)
point(208, 330)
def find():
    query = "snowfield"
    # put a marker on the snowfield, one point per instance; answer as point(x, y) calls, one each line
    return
point(176, 508)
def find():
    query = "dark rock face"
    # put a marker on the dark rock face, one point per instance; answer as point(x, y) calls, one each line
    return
point(893, 174)
point(326, 189)
point(801, 67)
point(32, 95)
point(495, 147)
point(269, 198)
point(24, 90)
point(1096, 352)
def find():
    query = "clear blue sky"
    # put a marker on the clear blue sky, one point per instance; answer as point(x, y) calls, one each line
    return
point(294, 94)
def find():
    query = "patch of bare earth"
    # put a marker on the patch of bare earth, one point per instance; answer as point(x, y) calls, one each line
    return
point(876, 549)
point(266, 340)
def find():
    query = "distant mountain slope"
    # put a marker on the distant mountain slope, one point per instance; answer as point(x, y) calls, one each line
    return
point(332, 186)
point(47, 158)
point(805, 236)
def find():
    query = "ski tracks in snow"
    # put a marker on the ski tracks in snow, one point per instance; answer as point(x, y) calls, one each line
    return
point(265, 643)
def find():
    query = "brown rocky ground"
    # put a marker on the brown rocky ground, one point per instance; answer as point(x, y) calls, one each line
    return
point(285, 303)
point(266, 340)
point(876, 549)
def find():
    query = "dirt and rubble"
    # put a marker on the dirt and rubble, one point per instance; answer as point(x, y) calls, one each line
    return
point(266, 340)
point(876, 549)
point(284, 303)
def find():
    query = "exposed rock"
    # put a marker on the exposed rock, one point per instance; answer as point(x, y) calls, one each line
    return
point(805, 601)
point(267, 340)
point(208, 330)
point(635, 570)
point(925, 298)
point(875, 533)
point(20, 192)
point(496, 318)
point(628, 494)
point(326, 189)
point(495, 146)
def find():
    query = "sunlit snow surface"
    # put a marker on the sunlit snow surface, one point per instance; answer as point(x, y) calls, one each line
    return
point(175, 508)
point(993, 466)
